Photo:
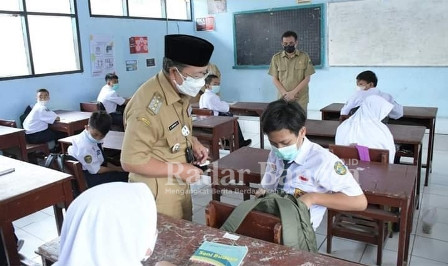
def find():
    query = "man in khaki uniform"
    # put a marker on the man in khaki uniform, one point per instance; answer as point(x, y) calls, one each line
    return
point(291, 70)
point(158, 145)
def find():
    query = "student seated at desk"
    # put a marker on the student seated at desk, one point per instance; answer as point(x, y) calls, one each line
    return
point(209, 100)
point(111, 224)
point(37, 121)
point(109, 97)
point(365, 128)
point(303, 169)
point(87, 149)
point(366, 82)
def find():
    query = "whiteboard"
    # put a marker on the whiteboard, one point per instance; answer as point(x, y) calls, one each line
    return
point(388, 33)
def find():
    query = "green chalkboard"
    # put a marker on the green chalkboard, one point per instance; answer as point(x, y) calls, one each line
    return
point(258, 34)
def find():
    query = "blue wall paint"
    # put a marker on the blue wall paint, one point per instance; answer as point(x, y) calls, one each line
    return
point(67, 91)
point(416, 86)
point(413, 86)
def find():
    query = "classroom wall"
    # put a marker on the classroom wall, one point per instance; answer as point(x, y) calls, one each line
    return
point(67, 91)
point(415, 86)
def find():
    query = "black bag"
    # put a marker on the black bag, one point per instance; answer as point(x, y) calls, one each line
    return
point(56, 161)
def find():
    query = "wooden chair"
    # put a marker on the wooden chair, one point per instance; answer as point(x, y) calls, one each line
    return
point(30, 148)
point(201, 111)
point(75, 169)
point(368, 226)
point(257, 224)
point(91, 106)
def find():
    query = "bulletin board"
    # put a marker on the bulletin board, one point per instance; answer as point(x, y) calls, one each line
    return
point(388, 33)
point(258, 34)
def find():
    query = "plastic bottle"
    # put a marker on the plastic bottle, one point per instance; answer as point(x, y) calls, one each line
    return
point(429, 219)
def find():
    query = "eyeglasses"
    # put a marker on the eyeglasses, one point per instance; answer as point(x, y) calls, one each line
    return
point(204, 75)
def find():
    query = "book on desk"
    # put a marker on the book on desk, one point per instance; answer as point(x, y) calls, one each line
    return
point(211, 253)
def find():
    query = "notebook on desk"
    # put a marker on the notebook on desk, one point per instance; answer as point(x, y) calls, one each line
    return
point(211, 253)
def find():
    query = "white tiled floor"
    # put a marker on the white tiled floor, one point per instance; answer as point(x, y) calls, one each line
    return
point(425, 249)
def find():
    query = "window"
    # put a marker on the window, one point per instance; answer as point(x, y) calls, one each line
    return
point(42, 36)
point(151, 9)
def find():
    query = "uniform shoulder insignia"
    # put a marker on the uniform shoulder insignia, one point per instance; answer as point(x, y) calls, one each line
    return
point(155, 103)
point(340, 168)
point(88, 158)
point(144, 120)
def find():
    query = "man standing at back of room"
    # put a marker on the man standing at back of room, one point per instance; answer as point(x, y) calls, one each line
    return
point(291, 70)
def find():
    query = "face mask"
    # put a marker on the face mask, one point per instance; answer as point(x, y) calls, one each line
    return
point(287, 153)
point(43, 103)
point(289, 48)
point(190, 86)
point(89, 136)
point(115, 86)
point(215, 89)
point(361, 88)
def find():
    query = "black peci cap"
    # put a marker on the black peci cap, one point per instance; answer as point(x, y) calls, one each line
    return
point(188, 50)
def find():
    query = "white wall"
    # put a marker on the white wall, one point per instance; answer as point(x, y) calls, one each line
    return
point(414, 86)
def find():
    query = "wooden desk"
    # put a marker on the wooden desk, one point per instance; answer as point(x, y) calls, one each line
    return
point(13, 137)
point(178, 240)
point(213, 128)
point(28, 189)
point(323, 132)
point(420, 116)
point(389, 185)
point(112, 141)
point(250, 109)
point(71, 121)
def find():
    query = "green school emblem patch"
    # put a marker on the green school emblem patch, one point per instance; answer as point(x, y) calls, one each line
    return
point(340, 168)
point(88, 159)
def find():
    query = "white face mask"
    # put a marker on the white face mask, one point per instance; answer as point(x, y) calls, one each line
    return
point(43, 103)
point(190, 86)
point(215, 89)
point(361, 88)
point(92, 139)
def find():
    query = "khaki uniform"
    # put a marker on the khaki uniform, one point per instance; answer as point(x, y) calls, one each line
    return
point(291, 71)
point(154, 119)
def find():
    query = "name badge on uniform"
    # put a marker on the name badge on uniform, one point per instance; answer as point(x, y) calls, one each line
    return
point(185, 131)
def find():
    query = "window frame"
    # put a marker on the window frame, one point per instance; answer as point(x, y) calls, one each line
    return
point(26, 32)
point(126, 16)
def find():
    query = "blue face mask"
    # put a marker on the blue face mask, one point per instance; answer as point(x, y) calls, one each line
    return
point(216, 88)
point(287, 153)
point(89, 136)
point(115, 86)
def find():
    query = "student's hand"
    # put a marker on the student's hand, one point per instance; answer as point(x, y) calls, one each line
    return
point(57, 118)
point(260, 192)
point(307, 198)
point(199, 151)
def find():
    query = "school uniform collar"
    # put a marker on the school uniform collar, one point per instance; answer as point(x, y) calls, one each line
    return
point(303, 152)
point(296, 53)
point(171, 94)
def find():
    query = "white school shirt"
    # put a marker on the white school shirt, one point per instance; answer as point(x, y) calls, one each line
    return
point(365, 128)
point(315, 169)
point(356, 99)
point(38, 119)
point(86, 152)
point(110, 99)
point(209, 100)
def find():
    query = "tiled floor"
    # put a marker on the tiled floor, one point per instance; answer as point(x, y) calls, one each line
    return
point(425, 249)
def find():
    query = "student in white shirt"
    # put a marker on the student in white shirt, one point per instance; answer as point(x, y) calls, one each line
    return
point(365, 128)
point(209, 100)
point(111, 224)
point(303, 169)
point(37, 121)
point(109, 97)
point(366, 82)
point(87, 149)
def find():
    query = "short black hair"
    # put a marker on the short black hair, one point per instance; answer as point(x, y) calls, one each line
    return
point(368, 76)
point(110, 76)
point(43, 90)
point(209, 78)
point(282, 114)
point(101, 121)
point(289, 34)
